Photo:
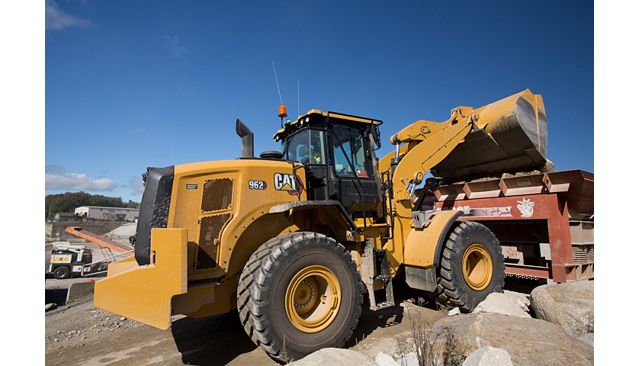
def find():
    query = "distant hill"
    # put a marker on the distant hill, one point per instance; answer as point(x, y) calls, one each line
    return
point(67, 202)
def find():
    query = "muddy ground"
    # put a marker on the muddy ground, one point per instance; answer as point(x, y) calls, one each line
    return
point(84, 335)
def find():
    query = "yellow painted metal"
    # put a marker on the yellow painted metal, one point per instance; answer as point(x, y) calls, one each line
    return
point(420, 158)
point(207, 300)
point(425, 144)
point(144, 293)
point(148, 293)
point(247, 212)
point(427, 154)
point(477, 267)
point(421, 244)
point(312, 299)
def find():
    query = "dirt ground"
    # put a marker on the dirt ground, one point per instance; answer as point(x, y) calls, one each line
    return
point(84, 335)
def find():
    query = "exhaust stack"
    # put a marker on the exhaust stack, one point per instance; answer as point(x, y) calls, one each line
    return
point(247, 139)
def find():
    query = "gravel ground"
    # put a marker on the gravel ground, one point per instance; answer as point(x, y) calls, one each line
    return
point(84, 335)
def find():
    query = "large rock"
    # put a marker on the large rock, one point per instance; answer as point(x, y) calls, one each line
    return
point(488, 356)
point(587, 338)
point(409, 359)
point(528, 341)
point(383, 359)
point(569, 305)
point(501, 304)
point(523, 300)
point(334, 356)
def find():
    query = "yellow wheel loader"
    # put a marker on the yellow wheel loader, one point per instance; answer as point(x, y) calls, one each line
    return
point(295, 240)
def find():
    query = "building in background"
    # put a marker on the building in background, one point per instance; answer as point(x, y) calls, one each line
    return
point(107, 213)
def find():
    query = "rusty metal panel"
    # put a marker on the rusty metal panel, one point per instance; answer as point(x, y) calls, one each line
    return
point(557, 182)
point(578, 271)
point(521, 185)
point(578, 185)
point(450, 192)
point(210, 229)
point(527, 271)
point(483, 189)
point(217, 194)
point(581, 232)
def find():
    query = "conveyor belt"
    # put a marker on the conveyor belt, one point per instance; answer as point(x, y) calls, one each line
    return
point(97, 239)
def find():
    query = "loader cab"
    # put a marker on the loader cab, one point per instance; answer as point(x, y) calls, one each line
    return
point(338, 153)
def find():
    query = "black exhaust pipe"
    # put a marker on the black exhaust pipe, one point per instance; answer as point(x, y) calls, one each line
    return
point(247, 139)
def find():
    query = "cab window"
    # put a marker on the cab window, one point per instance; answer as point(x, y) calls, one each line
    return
point(349, 147)
point(307, 147)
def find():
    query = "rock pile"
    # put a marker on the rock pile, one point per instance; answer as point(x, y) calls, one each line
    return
point(569, 305)
point(500, 331)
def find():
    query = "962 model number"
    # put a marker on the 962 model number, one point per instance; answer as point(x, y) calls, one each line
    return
point(257, 184)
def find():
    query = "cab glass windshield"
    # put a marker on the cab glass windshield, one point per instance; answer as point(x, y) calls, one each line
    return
point(307, 147)
point(349, 153)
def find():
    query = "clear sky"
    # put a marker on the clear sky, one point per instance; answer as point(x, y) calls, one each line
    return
point(131, 84)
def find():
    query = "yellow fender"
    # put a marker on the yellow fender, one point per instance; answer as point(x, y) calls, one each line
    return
point(423, 245)
point(144, 293)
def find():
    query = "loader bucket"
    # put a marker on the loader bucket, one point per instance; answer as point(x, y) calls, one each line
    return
point(510, 136)
point(144, 293)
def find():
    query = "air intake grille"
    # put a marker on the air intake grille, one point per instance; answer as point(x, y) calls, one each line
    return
point(210, 227)
point(217, 194)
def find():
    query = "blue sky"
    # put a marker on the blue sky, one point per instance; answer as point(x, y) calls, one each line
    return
point(131, 84)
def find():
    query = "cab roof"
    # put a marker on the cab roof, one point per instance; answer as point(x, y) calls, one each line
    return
point(315, 115)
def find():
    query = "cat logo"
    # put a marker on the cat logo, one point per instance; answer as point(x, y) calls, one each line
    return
point(285, 182)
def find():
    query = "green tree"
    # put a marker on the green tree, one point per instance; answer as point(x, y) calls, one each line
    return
point(67, 202)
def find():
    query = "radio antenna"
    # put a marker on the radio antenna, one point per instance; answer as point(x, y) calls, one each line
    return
point(282, 109)
point(275, 75)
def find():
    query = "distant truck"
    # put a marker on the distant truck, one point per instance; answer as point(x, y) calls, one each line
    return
point(68, 260)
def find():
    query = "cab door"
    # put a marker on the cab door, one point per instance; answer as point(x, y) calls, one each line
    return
point(352, 167)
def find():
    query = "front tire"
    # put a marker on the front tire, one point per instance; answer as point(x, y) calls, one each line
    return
point(471, 266)
point(298, 293)
point(62, 273)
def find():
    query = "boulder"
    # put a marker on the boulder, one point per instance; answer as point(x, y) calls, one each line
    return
point(587, 338)
point(501, 304)
point(488, 356)
point(383, 359)
point(390, 345)
point(528, 341)
point(523, 300)
point(409, 359)
point(569, 305)
point(334, 356)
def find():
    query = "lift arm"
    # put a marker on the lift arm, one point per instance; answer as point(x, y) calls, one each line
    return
point(429, 143)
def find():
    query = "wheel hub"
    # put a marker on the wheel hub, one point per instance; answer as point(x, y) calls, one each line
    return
point(312, 298)
point(477, 267)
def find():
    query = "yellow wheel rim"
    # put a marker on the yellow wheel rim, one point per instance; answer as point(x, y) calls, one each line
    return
point(477, 267)
point(312, 299)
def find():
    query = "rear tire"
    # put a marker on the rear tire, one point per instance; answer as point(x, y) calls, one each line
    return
point(298, 293)
point(62, 273)
point(471, 266)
